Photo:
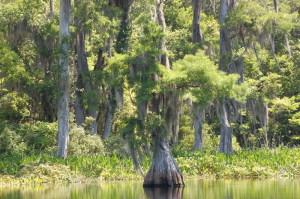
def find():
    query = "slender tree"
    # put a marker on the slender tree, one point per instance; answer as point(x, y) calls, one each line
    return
point(198, 109)
point(225, 56)
point(63, 99)
point(83, 75)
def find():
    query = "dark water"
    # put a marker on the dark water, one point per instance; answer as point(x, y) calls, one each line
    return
point(211, 189)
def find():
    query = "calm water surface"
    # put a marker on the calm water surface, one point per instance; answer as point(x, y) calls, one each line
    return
point(211, 189)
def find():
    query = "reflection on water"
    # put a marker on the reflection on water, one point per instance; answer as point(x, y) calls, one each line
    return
point(223, 189)
point(164, 193)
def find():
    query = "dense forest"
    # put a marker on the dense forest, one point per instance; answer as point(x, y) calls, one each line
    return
point(145, 78)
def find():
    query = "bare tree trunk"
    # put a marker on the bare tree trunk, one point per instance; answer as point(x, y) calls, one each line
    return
point(109, 116)
point(197, 34)
point(78, 108)
point(287, 44)
point(83, 73)
point(226, 129)
point(199, 110)
point(272, 44)
point(164, 171)
point(276, 6)
point(199, 115)
point(225, 59)
point(52, 8)
point(130, 142)
point(163, 57)
point(63, 99)
point(172, 112)
point(213, 5)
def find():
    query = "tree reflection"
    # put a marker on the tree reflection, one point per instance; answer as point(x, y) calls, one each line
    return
point(164, 193)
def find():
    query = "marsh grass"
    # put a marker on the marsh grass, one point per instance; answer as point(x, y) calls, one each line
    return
point(254, 163)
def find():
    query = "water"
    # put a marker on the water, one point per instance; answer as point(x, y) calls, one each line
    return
point(211, 189)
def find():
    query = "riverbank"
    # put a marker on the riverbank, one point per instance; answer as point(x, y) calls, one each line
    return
point(260, 163)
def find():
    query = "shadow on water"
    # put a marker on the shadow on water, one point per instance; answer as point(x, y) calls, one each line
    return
point(164, 193)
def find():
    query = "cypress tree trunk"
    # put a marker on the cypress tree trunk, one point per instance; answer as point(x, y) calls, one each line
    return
point(78, 108)
point(63, 99)
point(226, 129)
point(197, 34)
point(109, 116)
point(163, 57)
point(164, 171)
point(51, 8)
point(198, 110)
point(83, 74)
point(225, 145)
point(199, 115)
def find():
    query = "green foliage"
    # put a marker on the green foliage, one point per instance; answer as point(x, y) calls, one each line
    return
point(82, 143)
point(14, 106)
point(242, 164)
point(40, 136)
point(114, 145)
point(11, 143)
point(200, 77)
point(283, 162)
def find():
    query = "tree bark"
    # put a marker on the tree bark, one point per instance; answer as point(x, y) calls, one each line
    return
point(199, 115)
point(276, 6)
point(172, 112)
point(272, 45)
point(163, 57)
point(225, 145)
point(225, 130)
point(63, 99)
point(109, 116)
point(83, 73)
point(197, 33)
point(78, 108)
point(164, 171)
point(52, 8)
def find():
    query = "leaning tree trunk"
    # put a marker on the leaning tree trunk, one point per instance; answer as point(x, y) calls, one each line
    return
point(164, 171)
point(63, 99)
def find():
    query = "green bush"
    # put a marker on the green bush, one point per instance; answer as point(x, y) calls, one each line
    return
point(11, 143)
point(114, 145)
point(40, 136)
point(82, 143)
point(14, 106)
